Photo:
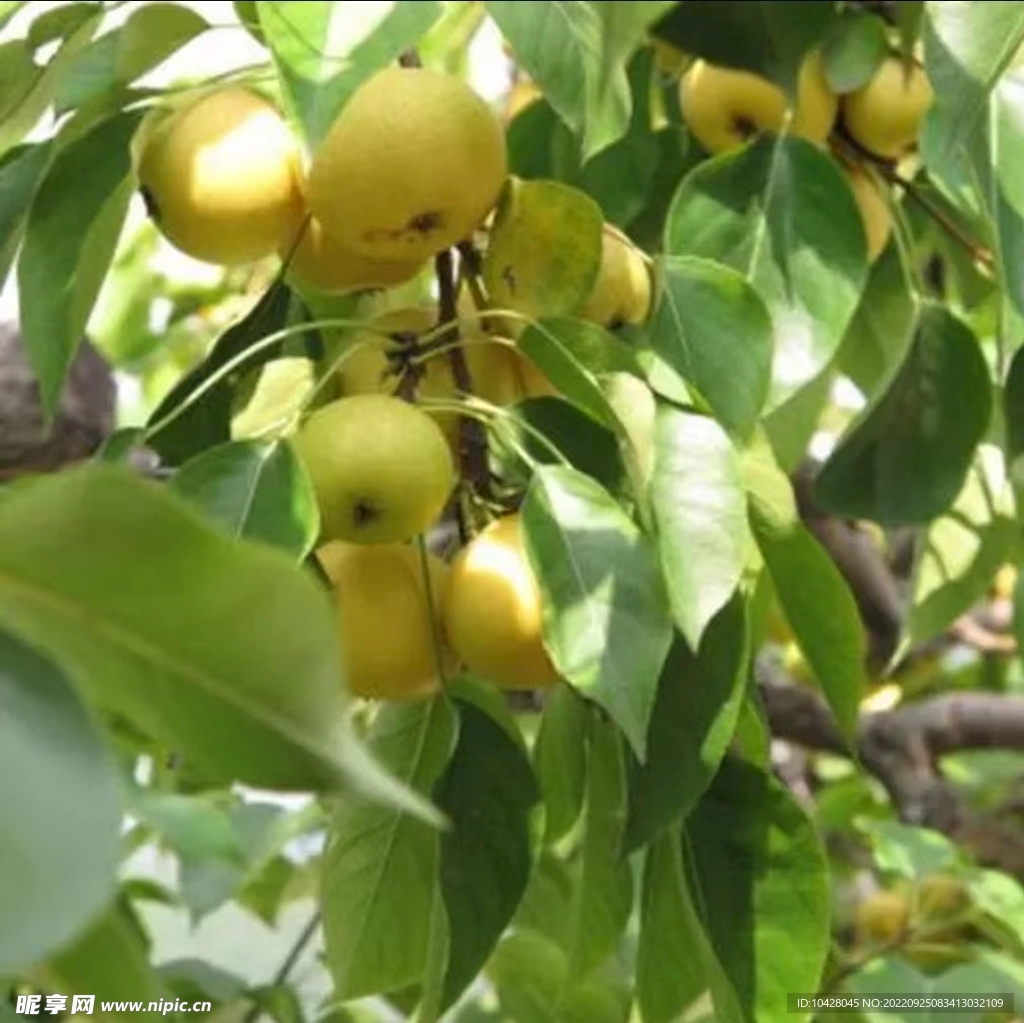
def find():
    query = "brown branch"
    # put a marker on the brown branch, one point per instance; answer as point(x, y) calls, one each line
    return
point(473, 461)
point(901, 749)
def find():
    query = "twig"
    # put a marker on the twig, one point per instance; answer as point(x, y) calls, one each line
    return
point(472, 437)
point(303, 940)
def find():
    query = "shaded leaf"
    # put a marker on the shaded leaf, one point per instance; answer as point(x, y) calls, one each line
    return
point(256, 492)
point(670, 974)
point(560, 759)
point(815, 598)
point(905, 458)
point(854, 48)
point(56, 780)
point(488, 792)
point(561, 47)
point(961, 552)
point(63, 260)
point(758, 35)
point(379, 875)
point(21, 170)
point(603, 897)
point(780, 212)
point(700, 512)
point(206, 421)
point(223, 650)
point(694, 718)
point(606, 623)
point(761, 882)
point(711, 328)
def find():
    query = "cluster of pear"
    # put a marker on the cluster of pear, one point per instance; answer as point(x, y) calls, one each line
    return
point(925, 919)
point(724, 107)
point(413, 165)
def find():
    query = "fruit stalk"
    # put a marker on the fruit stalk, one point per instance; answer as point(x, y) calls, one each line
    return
point(472, 439)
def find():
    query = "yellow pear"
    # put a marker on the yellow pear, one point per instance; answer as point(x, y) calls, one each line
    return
point(318, 261)
point(220, 177)
point(724, 107)
point(622, 291)
point(381, 469)
point(882, 918)
point(885, 115)
point(874, 210)
point(385, 626)
point(492, 610)
point(412, 165)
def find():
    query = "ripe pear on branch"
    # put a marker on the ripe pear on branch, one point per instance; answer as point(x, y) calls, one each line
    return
point(388, 624)
point(884, 117)
point(725, 107)
point(412, 164)
point(381, 469)
point(221, 176)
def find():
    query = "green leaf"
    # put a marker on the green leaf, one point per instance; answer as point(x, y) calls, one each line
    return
point(20, 172)
point(33, 102)
point(761, 879)
point(560, 759)
point(972, 141)
point(968, 47)
point(109, 961)
point(1013, 408)
point(206, 421)
point(606, 623)
point(8, 8)
point(18, 72)
point(908, 851)
point(758, 35)
point(535, 984)
point(882, 329)
point(711, 328)
point(196, 827)
point(324, 51)
point(780, 212)
point(224, 650)
point(60, 21)
point(488, 792)
point(562, 48)
point(624, 25)
point(571, 354)
point(379, 876)
point(150, 35)
point(603, 897)
point(905, 458)
point(700, 512)
point(72, 226)
point(698, 705)
point(855, 46)
point(56, 780)
point(961, 552)
point(255, 491)
point(815, 599)
point(670, 975)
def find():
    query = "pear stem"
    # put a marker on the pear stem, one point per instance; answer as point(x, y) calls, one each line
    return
point(472, 438)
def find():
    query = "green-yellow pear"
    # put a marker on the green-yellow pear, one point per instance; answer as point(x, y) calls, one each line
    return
point(492, 610)
point(942, 895)
point(221, 176)
point(318, 261)
point(874, 210)
point(886, 114)
point(622, 292)
point(724, 107)
point(413, 164)
point(381, 469)
point(387, 632)
point(882, 918)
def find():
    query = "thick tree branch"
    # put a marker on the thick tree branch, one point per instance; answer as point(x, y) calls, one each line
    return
point(901, 748)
